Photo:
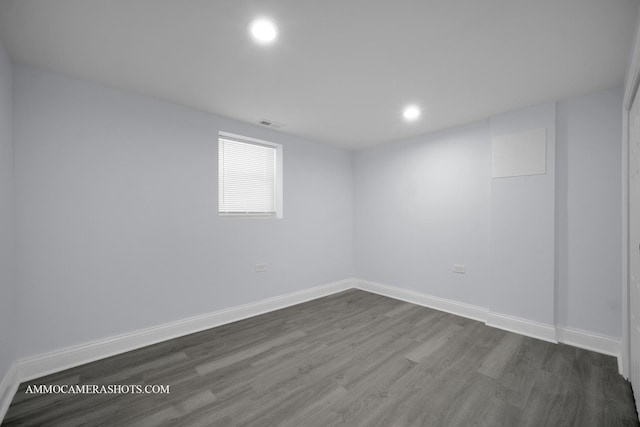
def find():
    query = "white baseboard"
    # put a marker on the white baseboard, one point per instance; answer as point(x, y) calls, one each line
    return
point(575, 337)
point(55, 361)
point(40, 365)
point(449, 306)
point(8, 387)
point(530, 328)
point(592, 341)
point(482, 314)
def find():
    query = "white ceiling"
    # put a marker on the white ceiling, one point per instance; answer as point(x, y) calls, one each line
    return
point(341, 70)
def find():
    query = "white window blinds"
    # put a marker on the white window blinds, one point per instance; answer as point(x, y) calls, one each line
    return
point(247, 178)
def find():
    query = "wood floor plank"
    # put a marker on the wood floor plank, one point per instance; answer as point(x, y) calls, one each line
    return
point(519, 374)
point(349, 359)
point(169, 415)
point(433, 344)
point(401, 308)
point(239, 356)
point(495, 362)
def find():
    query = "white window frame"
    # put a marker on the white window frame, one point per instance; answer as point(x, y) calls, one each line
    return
point(278, 176)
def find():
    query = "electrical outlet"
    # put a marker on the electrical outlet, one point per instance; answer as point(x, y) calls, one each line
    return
point(261, 267)
point(459, 268)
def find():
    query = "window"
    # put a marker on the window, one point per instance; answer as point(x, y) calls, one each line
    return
point(249, 177)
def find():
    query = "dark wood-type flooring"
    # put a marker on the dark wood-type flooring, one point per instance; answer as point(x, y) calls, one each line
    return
point(350, 359)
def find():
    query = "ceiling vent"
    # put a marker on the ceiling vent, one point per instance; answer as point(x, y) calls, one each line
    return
point(271, 124)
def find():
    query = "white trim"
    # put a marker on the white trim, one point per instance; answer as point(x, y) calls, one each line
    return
point(530, 328)
point(625, 351)
point(632, 80)
point(450, 306)
point(497, 320)
point(242, 138)
point(55, 361)
point(590, 341)
point(8, 387)
point(554, 334)
point(36, 366)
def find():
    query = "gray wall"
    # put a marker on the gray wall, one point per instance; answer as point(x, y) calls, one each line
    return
point(117, 214)
point(8, 296)
point(543, 248)
point(116, 199)
point(422, 205)
point(522, 227)
point(589, 221)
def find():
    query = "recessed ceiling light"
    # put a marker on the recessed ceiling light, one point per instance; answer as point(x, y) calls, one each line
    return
point(263, 30)
point(411, 113)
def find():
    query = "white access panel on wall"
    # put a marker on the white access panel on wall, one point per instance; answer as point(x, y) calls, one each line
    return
point(518, 154)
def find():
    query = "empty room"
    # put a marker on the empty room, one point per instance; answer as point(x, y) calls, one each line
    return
point(319, 213)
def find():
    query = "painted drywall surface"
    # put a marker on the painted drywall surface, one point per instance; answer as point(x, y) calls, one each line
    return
point(422, 205)
point(112, 215)
point(590, 199)
point(554, 239)
point(522, 244)
point(8, 295)
point(116, 197)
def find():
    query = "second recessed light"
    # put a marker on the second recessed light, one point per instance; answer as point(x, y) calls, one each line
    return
point(263, 30)
point(411, 113)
